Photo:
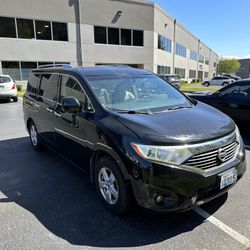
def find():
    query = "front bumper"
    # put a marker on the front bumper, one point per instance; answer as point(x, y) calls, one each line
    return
point(181, 189)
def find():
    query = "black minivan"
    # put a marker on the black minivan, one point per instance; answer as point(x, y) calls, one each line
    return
point(138, 138)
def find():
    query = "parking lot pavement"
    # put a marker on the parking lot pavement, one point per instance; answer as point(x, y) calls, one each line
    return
point(46, 203)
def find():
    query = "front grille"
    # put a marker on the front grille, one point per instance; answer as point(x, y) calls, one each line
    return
point(211, 159)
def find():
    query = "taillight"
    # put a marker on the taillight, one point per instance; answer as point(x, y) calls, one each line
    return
point(14, 86)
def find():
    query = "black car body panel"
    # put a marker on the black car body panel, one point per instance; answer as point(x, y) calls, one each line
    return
point(81, 137)
point(235, 102)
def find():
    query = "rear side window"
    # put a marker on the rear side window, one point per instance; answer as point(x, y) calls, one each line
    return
point(33, 82)
point(70, 87)
point(48, 86)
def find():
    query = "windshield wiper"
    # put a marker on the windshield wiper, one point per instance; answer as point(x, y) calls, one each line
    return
point(178, 107)
point(134, 112)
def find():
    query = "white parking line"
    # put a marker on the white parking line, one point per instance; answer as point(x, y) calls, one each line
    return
point(237, 236)
point(20, 98)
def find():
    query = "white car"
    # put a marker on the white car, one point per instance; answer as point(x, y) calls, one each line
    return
point(219, 81)
point(8, 89)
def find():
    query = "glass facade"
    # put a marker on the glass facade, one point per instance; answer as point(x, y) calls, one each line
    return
point(163, 70)
point(180, 50)
point(33, 29)
point(115, 36)
point(192, 73)
point(180, 72)
point(193, 55)
point(201, 58)
point(164, 43)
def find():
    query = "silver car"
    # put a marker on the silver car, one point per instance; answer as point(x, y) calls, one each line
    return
point(219, 81)
point(8, 89)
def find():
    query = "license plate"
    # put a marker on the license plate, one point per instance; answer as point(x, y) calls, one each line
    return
point(228, 178)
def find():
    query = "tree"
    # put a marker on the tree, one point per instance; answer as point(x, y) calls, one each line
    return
point(228, 66)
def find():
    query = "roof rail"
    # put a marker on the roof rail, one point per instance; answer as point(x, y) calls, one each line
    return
point(114, 65)
point(55, 66)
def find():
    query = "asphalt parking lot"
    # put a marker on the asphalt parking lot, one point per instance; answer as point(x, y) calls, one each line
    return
point(45, 203)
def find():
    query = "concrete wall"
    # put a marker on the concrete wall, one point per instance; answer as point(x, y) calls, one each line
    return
point(136, 14)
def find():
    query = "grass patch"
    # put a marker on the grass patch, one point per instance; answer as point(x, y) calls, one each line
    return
point(192, 87)
point(21, 93)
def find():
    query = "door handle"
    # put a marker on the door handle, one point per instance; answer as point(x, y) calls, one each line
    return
point(57, 114)
point(49, 110)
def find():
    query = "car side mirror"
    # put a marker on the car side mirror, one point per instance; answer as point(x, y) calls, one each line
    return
point(70, 104)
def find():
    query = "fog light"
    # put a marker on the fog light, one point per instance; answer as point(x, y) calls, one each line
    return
point(159, 199)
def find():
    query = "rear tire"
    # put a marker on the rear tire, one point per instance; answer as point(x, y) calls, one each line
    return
point(34, 138)
point(225, 83)
point(206, 84)
point(111, 186)
point(15, 99)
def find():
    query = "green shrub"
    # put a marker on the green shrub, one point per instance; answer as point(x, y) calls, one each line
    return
point(19, 87)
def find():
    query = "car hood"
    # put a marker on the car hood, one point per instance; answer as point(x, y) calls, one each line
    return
point(192, 125)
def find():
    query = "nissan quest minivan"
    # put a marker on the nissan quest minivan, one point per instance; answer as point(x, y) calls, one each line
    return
point(139, 138)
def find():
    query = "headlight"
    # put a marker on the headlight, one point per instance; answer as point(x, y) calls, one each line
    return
point(237, 132)
point(166, 154)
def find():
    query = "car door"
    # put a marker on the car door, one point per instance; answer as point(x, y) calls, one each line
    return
point(71, 128)
point(234, 100)
point(46, 102)
point(215, 81)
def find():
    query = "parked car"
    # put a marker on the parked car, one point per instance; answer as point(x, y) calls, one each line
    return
point(8, 89)
point(233, 100)
point(235, 77)
point(219, 81)
point(135, 135)
point(173, 79)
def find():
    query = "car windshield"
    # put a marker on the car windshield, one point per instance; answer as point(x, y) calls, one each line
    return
point(4, 79)
point(147, 93)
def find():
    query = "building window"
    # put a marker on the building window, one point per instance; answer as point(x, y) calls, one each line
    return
point(138, 38)
point(180, 50)
point(193, 55)
point(25, 28)
point(7, 27)
point(163, 70)
point(126, 37)
point(164, 43)
point(43, 30)
point(207, 61)
point(215, 64)
point(60, 31)
point(192, 73)
point(26, 68)
point(100, 34)
point(113, 36)
point(201, 58)
point(44, 63)
point(180, 72)
point(12, 69)
point(205, 74)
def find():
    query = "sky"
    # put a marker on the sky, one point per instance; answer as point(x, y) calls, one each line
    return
point(223, 25)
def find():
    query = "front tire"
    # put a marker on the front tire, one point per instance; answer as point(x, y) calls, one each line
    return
point(111, 186)
point(34, 138)
point(225, 83)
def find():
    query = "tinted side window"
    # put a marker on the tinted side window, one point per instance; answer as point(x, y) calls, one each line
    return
point(48, 86)
point(33, 82)
point(70, 87)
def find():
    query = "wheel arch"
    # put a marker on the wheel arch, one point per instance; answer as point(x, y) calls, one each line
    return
point(109, 152)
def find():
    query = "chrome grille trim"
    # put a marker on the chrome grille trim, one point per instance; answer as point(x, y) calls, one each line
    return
point(209, 159)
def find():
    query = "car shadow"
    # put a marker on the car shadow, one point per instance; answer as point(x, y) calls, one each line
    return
point(62, 198)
